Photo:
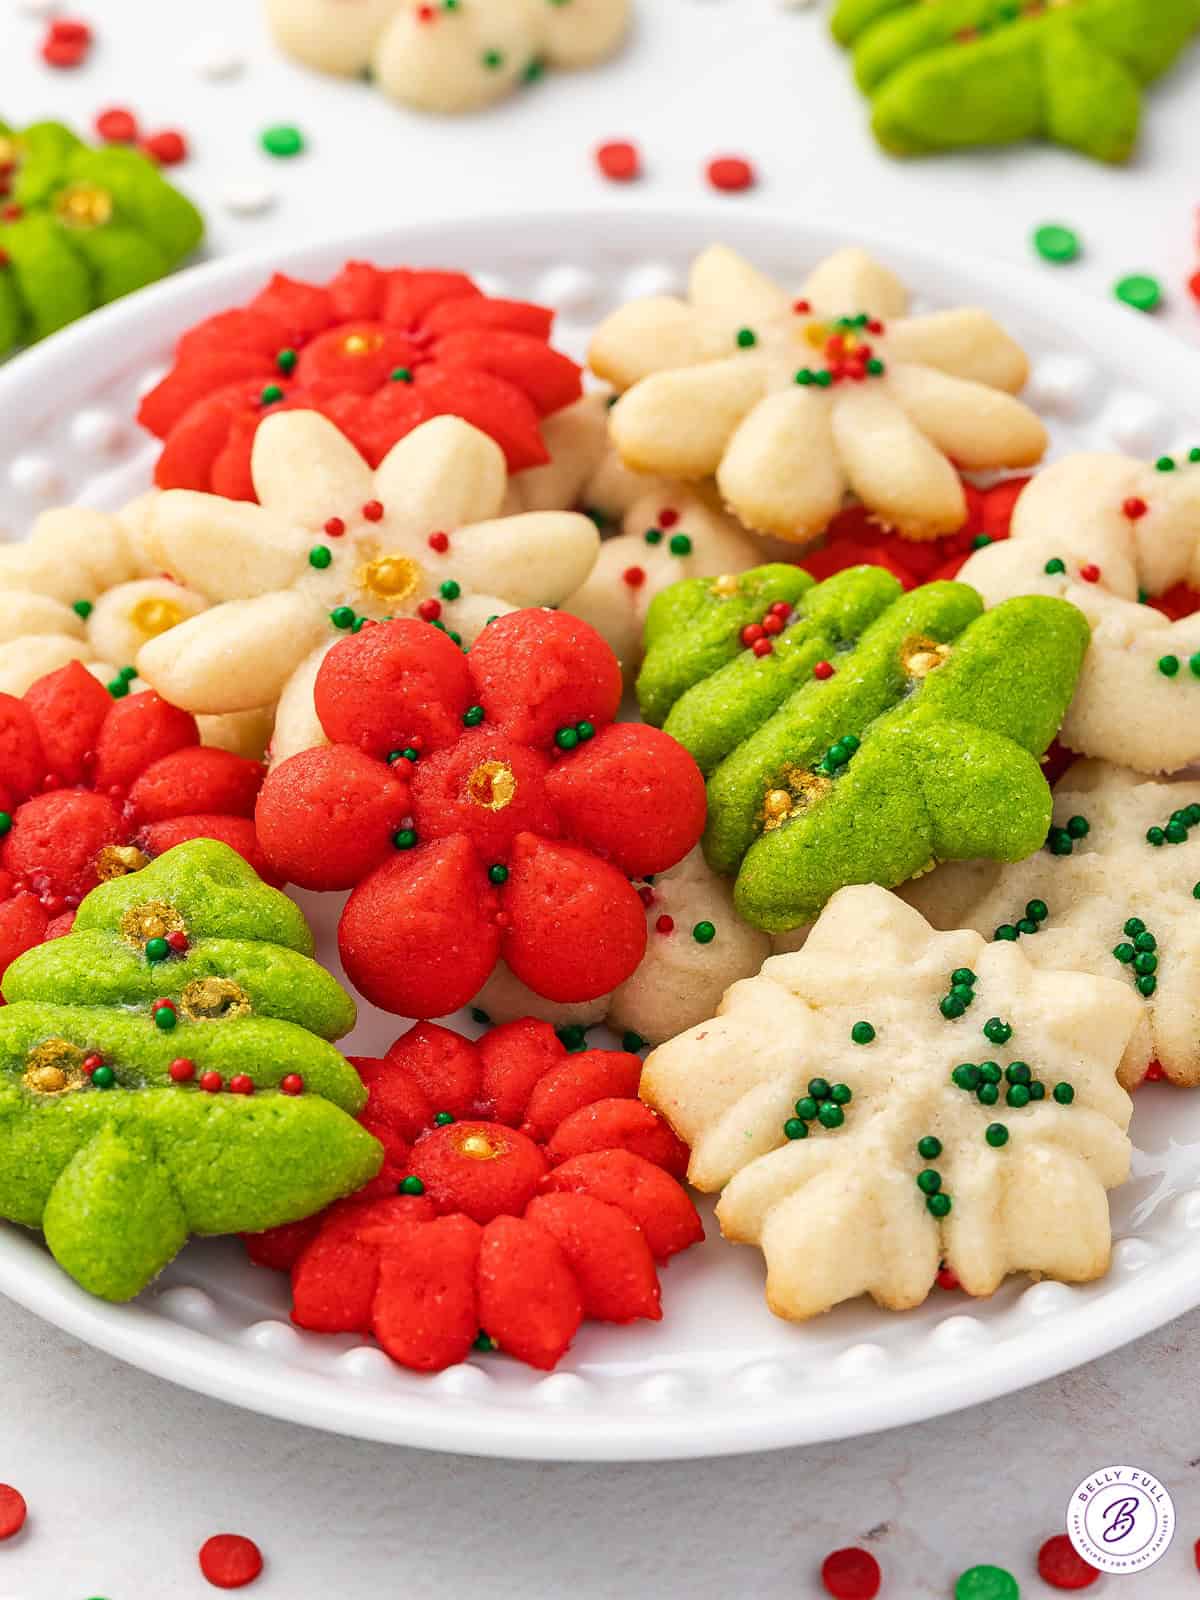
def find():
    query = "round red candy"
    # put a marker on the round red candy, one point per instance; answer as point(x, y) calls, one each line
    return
point(619, 160)
point(13, 1511)
point(1061, 1566)
point(229, 1561)
point(851, 1574)
point(117, 126)
point(1194, 285)
point(731, 173)
point(168, 148)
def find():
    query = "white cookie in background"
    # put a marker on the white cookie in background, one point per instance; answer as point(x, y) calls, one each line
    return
point(792, 401)
point(900, 1167)
point(448, 55)
point(1086, 894)
point(1101, 530)
point(332, 544)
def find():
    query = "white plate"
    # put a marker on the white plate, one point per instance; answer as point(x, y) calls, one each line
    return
point(719, 1374)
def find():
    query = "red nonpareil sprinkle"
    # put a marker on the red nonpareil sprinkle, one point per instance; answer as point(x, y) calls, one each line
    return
point(178, 942)
point(335, 527)
point(752, 633)
point(11, 213)
point(66, 43)
point(163, 1004)
point(241, 1083)
point(373, 510)
point(823, 670)
point(947, 1278)
point(763, 647)
point(1194, 285)
point(429, 610)
point(1154, 1073)
point(90, 1063)
point(668, 517)
point(646, 895)
point(229, 1561)
point(619, 160)
point(1090, 573)
point(293, 1083)
point(1061, 1566)
point(635, 577)
point(781, 608)
point(168, 148)
point(731, 174)
point(13, 1511)
point(1135, 507)
point(182, 1070)
point(70, 31)
point(426, 13)
point(773, 625)
point(665, 924)
point(851, 1574)
point(211, 1082)
point(117, 125)
point(802, 307)
point(439, 542)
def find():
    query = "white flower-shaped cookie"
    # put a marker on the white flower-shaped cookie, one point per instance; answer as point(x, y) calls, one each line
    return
point(331, 542)
point(890, 1098)
point(793, 401)
point(448, 55)
point(1121, 873)
point(696, 946)
point(1102, 531)
point(82, 588)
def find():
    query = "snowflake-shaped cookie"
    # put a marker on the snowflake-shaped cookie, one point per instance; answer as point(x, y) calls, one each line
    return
point(81, 588)
point(890, 1098)
point(1107, 532)
point(792, 402)
point(332, 543)
point(1115, 892)
point(448, 55)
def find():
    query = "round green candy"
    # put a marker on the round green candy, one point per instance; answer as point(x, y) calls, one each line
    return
point(862, 1033)
point(996, 1135)
point(795, 1129)
point(1134, 926)
point(806, 1107)
point(1018, 1096)
point(998, 1031)
point(1006, 931)
point(929, 1148)
point(282, 139)
point(1140, 291)
point(819, 1088)
point(989, 1072)
point(704, 933)
point(1064, 1093)
point(830, 1116)
point(967, 1076)
point(929, 1181)
point(841, 1094)
point(986, 1583)
point(1037, 910)
point(1056, 244)
point(157, 949)
point(412, 1185)
point(951, 1007)
point(1018, 1072)
point(1124, 953)
point(987, 1094)
point(938, 1205)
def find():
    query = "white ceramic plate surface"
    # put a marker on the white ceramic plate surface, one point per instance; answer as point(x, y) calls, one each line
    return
point(719, 1374)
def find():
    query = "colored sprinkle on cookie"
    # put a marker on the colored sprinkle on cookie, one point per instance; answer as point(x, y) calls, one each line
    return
point(230, 1561)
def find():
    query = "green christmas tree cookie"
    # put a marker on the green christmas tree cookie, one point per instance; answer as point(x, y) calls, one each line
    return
point(943, 74)
point(165, 1070)
point(81, 227)
point(852, 733)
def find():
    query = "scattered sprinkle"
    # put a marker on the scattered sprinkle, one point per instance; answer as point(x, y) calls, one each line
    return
point(13, 1511)
point(1061, 1566)
point(619, 161)
point(1140, 291)
point(282, 139)
point(731, 174)
point(229, 1561)
point(851, 1574)
point(1055, 243)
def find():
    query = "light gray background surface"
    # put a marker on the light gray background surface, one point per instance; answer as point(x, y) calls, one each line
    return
point(127, 1475)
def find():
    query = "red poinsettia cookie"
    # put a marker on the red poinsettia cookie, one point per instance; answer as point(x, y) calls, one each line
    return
point(523, 1189)
point(92, 786)
point(377, 352)
point(481, 804)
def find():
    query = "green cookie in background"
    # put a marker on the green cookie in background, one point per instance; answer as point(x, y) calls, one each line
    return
point(947, 74)
point(106, 1149)
point(82, 227)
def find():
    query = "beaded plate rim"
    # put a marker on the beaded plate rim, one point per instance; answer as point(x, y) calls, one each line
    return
point(210, 1325)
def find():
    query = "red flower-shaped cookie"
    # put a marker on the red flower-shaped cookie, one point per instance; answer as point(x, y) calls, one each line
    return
point(378, 352)
point(92, 787)
point(484, 805)
point(854, 536)
point(536, 1190)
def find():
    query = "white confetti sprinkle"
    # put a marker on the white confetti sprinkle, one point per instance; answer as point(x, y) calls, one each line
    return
point(39, 8)
point(213, 58)
point(248, 199)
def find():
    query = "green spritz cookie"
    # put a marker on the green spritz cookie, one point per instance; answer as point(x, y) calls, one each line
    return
point(82, 227)
point(881, 732)
point(165, 1070)
point(944, 74)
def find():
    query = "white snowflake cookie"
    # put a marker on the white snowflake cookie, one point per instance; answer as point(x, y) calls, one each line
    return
point(892, 1098)
point(1115, 892)
point(1107, 532)
point(448, 55)
point(795, 401)
point(696, 946)
point(331, 544)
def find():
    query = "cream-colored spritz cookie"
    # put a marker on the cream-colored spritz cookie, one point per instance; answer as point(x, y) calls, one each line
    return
point(1106, 532)
point(795, 401)
point(82, 588)
point(1116, 892)
point(584, 472)
point(331, 544)
point(671, 533)
point(696, 946)
point(448, 55)
point(891, 1098)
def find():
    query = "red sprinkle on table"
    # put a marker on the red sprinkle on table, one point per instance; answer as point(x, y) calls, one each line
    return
point(117, 125)
point(230, 1562)
point(13, 1511)
point(619, 160)
point(1194, 285)
point(1061, 1566)
point(851, 1574)
point(66, 43)
point(731, 173)
point(168, 148)
point(1090, 573)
